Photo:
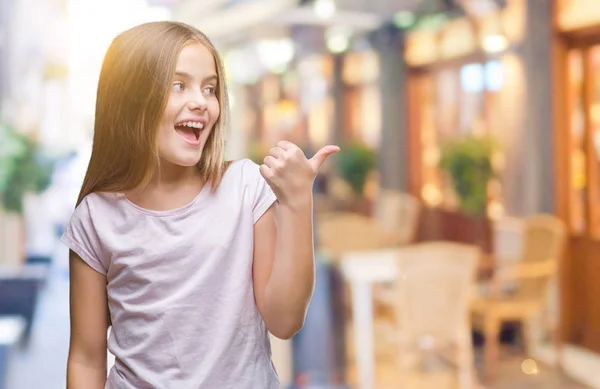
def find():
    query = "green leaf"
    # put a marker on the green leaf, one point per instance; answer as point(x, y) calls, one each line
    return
point(23, 168)
point(468, 163)
point(354, 162)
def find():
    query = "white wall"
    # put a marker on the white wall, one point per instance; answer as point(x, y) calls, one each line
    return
point(92, 25)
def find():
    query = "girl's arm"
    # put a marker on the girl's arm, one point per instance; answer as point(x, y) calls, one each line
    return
point(283, 270)
point(86, 365)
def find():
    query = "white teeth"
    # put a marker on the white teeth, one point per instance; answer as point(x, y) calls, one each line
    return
point(193, 125)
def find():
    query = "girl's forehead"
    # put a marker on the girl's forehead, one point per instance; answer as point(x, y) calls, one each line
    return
point(195, 55)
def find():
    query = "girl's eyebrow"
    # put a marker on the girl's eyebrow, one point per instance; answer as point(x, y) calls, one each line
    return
point(187, 76)
point(182, 74)
point(212, 78)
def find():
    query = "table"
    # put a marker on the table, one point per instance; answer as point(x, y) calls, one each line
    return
point(362, 270)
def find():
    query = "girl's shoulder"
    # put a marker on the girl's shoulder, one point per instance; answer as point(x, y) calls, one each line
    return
point(242, 175)
point(241, 163)
point(243, 169)
point(103, 200)
point(102, 206)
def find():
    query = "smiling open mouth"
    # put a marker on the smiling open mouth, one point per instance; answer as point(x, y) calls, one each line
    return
point(190, 131)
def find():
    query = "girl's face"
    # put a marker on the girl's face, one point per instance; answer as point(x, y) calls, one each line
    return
point(192, 109)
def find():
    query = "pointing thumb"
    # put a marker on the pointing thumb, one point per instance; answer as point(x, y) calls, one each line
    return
point(317, 160)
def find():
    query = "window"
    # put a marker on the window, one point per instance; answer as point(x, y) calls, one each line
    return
point(453, 102)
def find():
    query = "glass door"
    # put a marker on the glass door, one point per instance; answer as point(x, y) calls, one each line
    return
point(593, 138)
point(577, 153)
point(584, 136)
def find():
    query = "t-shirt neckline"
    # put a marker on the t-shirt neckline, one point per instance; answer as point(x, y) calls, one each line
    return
point(169, 212)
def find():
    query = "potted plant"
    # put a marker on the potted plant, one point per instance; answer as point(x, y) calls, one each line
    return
point(468, 163)
point(353, 163)
point(24, 170)
point(257, 152)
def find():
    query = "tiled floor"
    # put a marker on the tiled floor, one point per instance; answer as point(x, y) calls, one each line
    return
point(545, 380)
point(511, 374)
point(512, 377)
point(42, 364)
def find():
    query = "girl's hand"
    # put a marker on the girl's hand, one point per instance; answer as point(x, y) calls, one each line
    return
point(290, 174)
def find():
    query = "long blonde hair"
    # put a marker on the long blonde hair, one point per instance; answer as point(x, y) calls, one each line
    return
point(133, 91)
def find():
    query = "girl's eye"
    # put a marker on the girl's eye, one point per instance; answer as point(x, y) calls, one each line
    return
point(178, 86)
point(209, 91)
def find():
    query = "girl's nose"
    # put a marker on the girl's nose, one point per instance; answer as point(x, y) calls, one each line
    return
point(197, 102)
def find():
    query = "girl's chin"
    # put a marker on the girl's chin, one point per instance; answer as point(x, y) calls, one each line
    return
point(182, 160)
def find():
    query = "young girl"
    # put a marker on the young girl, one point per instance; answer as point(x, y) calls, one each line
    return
point(186, 256)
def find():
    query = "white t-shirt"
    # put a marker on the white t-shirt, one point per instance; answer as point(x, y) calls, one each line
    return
point(179, 285)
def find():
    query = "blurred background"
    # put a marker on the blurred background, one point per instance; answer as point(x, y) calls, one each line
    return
point(457, 232)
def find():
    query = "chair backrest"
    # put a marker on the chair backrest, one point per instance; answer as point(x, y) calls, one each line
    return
point(398, 215)
point(508, 240)
point(544, 238)
point(434, 288)
point(341, 232)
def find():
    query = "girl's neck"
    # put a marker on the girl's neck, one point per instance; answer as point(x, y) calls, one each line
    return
point(170, 177)
point(173, 187)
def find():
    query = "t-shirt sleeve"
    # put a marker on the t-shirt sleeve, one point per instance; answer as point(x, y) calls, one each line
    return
point(82, 237)
point(260, 193)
